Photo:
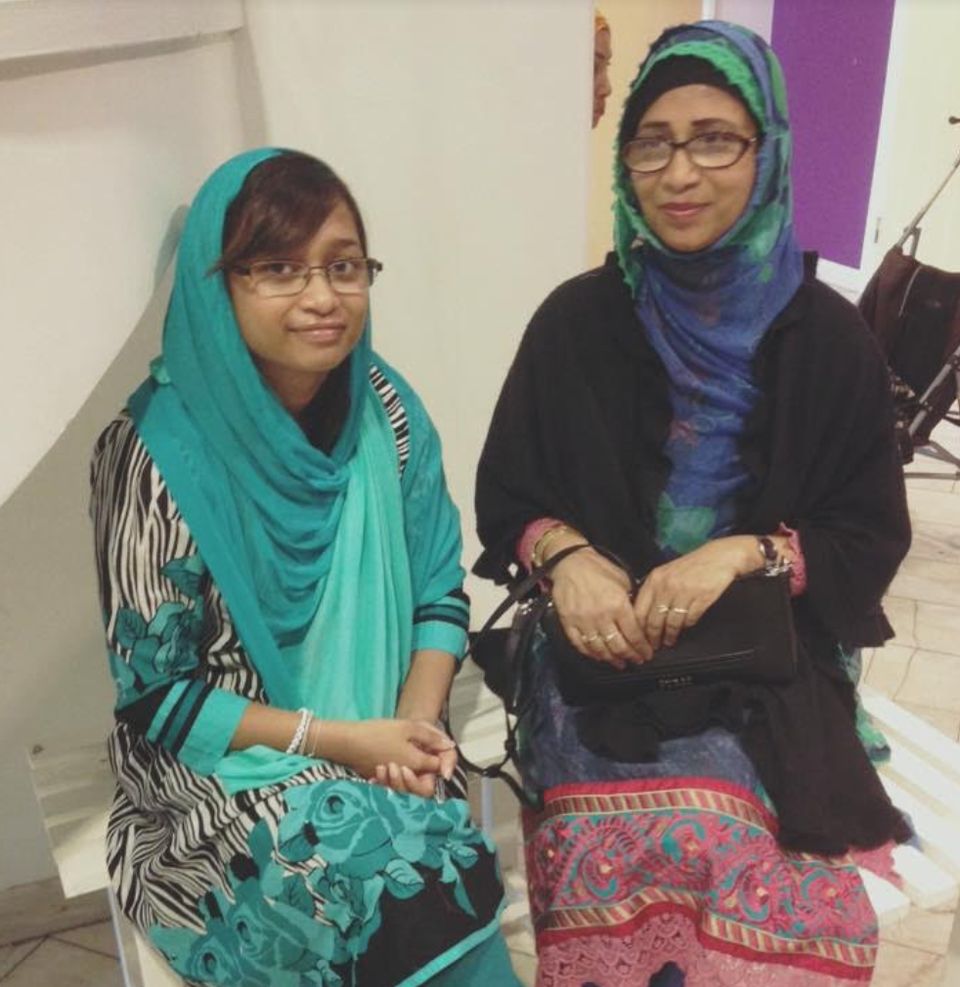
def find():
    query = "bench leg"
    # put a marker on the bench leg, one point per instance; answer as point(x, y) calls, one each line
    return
point(123, 943)
point(486, 805)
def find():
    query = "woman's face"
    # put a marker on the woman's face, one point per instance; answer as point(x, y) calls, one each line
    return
point(296, 340)
point(687, 207)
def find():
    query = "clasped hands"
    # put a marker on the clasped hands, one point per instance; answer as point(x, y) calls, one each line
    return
point(407, 755)
point(592, 600)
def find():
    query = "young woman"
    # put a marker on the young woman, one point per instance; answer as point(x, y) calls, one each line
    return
point(700, 403)
point(280, 582)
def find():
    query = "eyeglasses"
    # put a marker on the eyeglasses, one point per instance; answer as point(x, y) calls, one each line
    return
point(346, 276)
point(646, 155)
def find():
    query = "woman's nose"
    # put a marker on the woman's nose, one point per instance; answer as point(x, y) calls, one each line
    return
point(680, 172)
point(318, 294)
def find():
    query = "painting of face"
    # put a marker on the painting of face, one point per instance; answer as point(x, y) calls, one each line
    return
point(602, 54)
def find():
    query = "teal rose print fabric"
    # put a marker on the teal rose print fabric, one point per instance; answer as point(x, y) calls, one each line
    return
point(165, 642)
point(306, 904)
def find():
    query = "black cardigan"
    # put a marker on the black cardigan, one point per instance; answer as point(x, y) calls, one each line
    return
point(578, 434)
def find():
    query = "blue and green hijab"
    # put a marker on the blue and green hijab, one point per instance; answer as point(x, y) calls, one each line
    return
point(706, 312)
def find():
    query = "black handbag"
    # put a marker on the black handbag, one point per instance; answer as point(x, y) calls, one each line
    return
point(746, 635)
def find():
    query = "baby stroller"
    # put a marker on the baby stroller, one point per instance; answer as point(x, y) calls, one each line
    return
point(914, 310)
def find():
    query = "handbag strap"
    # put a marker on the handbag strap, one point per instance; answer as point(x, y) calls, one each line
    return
point(519, 591)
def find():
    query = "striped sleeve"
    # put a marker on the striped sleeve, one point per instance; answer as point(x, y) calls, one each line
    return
point(442, 625)
point(151, 583)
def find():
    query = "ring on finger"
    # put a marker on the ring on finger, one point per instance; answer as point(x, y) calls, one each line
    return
point(663, 608)
point(678, 610)
point(592, 638)
point(612, 636)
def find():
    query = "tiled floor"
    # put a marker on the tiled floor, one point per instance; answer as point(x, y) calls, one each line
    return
point(919, 668)
point(84, 957)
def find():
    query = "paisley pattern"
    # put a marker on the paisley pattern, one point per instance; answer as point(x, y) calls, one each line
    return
point(608, 859)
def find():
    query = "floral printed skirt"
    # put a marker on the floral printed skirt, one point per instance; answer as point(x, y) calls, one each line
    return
point(320, 880)
point(632, 867)
point(626, 877)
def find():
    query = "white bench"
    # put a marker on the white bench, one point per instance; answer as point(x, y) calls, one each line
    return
point(74, 787)
point(922, 777)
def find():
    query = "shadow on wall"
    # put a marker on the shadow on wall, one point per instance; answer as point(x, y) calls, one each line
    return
point(49, 628)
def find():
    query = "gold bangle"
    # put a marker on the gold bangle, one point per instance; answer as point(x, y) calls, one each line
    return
point(536, 556)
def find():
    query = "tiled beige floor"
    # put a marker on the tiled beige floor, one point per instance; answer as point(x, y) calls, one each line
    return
point(919, 668)
point(85, 957)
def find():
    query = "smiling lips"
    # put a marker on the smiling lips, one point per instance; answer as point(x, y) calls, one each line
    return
point(681, 212)
point(321, 332)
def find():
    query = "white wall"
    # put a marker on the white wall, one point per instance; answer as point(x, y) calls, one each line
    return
point(754, 14)
point(463, 130)
point(917, 146)
point(98, 151)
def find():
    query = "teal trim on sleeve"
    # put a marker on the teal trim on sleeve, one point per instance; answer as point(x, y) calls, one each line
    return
point(212, 730)
point(441, 636)
point(167, 707)
point(209, 735)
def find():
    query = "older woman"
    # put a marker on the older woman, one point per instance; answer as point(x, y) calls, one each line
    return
point(280, 581)
point(700, 404)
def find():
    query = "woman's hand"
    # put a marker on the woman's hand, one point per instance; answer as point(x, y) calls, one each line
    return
point(677, 594)
point(592, 599)
point(404, 778)
point(405, 754)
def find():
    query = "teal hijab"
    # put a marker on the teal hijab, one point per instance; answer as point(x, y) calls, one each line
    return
point(307, 548)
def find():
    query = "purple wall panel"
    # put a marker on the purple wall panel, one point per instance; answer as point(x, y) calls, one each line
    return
point(834, 56)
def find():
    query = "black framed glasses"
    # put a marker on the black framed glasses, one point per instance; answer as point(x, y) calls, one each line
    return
point(346, 276)
point(716, 149)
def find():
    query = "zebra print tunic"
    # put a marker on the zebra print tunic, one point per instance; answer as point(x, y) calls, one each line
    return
point(219, 881)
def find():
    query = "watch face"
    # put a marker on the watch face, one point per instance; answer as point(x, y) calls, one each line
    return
point(768, 549)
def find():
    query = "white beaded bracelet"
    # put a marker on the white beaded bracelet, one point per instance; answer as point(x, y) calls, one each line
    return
point(296, 741)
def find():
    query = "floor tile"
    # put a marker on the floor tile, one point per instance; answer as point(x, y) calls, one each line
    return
point(938, 506)
point(937, 627)
point(58, 964)
point(945, 720)
point(10, 956)
point(902, 614)
point(32, 911)
point(922, 929)
point(945, 483)
point(888, 668)
point(929, 580)
point(902, 966)
point(99, 938)
point(933, 679)
point(940, 542)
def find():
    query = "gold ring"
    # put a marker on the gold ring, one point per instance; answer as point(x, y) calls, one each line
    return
point(591, 638)
point(679, 610)
point(609, 637)
point(663, 608)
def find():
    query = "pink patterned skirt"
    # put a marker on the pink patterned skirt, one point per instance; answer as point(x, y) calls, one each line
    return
point(625, 876)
